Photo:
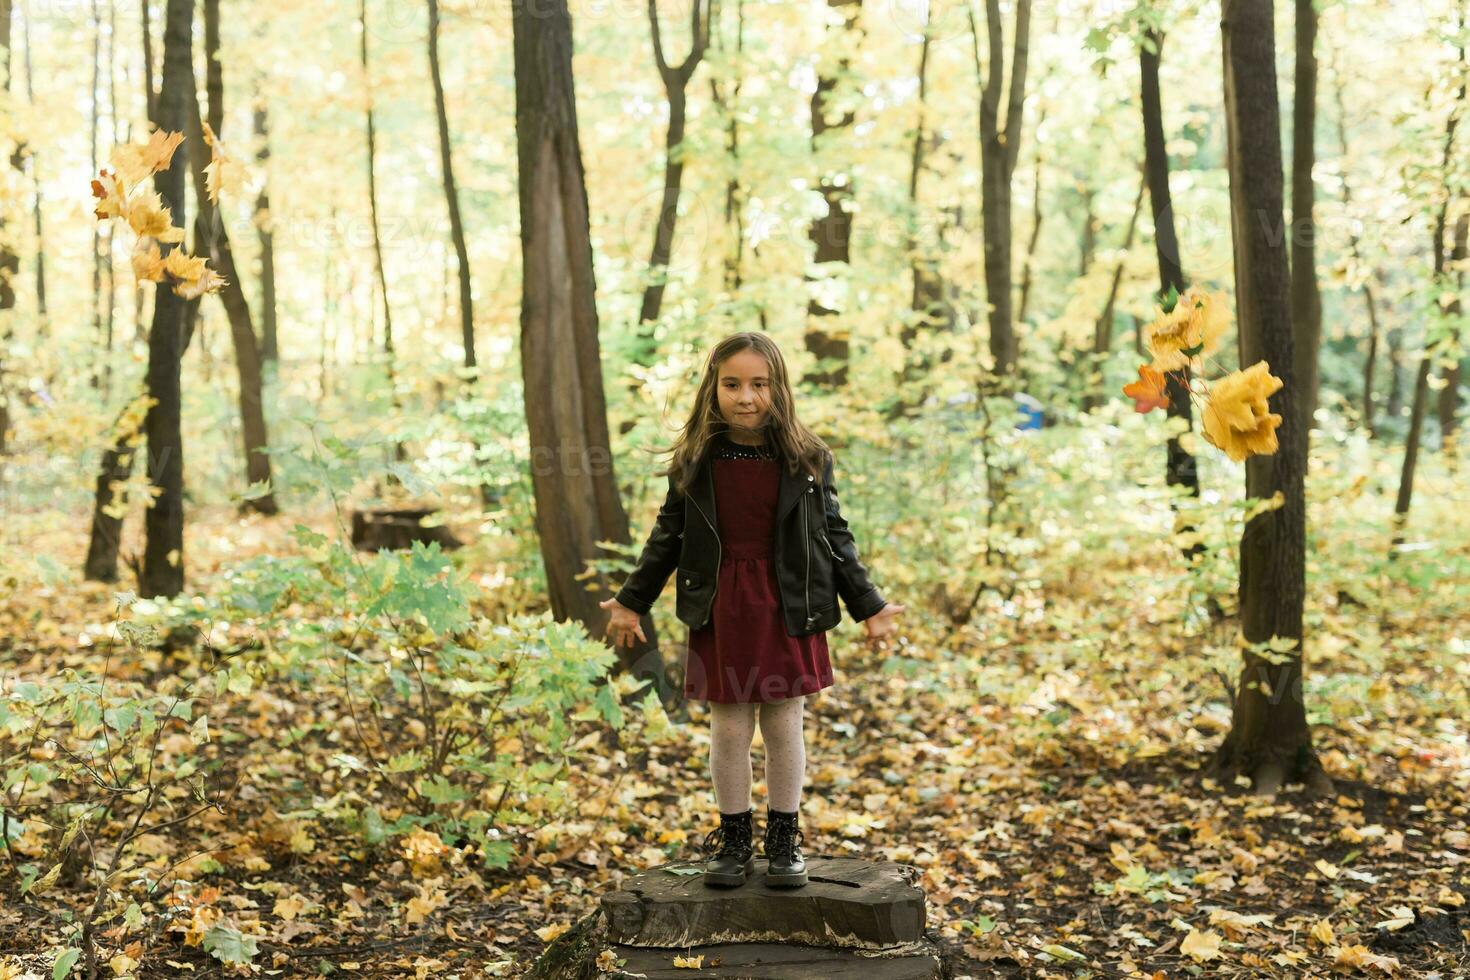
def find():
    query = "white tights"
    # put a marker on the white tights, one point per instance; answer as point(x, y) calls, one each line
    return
point(732, 727)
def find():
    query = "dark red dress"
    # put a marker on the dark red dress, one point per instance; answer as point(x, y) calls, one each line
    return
point(744, 654)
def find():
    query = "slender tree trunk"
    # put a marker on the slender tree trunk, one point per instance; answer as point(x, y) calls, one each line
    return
point(1028, 265)
point(929, 308)
point(1102, 328)
point(831, 232)
point(1087, 244)
point(1306, 297)
point(101, 373)
point(1426, 359)
point(9, 264)
point(213, 239)
point(270, 350)
point(35, 176)
point(1370, 359)
point(163, 555)
point(114, 137)
point(150, 94)
point(675, 82)
point(1180, 468)
point(577, 502)
point(1449, 395)
point(730, 111)
point(451, 196)
point(372, 176)
point(1269, 739)
point(1395, 403)
point(999, 147)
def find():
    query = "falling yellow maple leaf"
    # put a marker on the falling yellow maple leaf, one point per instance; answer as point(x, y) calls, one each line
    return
point(182, 265)
point(1191, 329)
point(209, 282)
point(1237, 417)
point(134, 161)
point(147, 262)
point(112, 201)
point(224, 173)
point(148, 217)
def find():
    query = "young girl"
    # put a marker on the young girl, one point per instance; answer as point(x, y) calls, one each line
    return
point(751, 523)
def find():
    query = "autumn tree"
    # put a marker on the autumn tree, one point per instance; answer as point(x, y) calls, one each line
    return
point(163, 553)
point(1000, 145)
point(210, 167)
point(1306, 296)
point(576, 490)
point(831, 230)
point(1269, 739)
point(451, 194)
point(1441, 326)
point(1180, 469)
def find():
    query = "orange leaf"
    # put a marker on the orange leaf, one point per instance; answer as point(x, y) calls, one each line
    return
point(1148, 391)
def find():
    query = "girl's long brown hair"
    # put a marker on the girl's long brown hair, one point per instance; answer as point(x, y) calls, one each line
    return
point(796, 446)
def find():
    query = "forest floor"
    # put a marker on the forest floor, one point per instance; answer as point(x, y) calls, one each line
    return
point(1041, 764)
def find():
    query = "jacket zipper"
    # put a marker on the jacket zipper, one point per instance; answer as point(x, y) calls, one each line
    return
point(807, 582)
point(829, 549)
point(718, 549)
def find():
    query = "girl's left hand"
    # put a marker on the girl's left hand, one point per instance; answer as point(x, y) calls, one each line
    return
point(881, 625)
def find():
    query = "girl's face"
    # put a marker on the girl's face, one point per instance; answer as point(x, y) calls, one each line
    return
point(743, 382)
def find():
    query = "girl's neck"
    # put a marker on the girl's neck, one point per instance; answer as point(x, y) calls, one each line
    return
point(759, 442)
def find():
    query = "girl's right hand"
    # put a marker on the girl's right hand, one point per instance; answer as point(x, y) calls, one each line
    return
point(624, 624)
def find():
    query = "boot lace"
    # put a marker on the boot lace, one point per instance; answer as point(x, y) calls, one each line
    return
point(784, 839)
point(718, 842)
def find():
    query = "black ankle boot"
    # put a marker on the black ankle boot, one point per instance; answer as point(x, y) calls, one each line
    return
point(785, 867)
point(735, 857)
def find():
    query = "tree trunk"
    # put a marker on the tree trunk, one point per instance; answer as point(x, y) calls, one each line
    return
point(999, 147)
point(35, 176)
point(150, 93)
point(1449, 395)
point(1102, 333)
point(831, 232)
point(675, 82)
point(730, 109)
point(101, 373)
point(1438, 282)
point(110, 504)
point(1102, 328)
point(212, 238)
point(1179, 465)
point(1370, 359)
point(9, 265)
point(1269, 739)
point(451, 195)
point(1395, 402)
point(163, 555)
point(572, 473)
point(1028, 265)
point(1306, 297)
point(399, 452)
point(928, 304)
point(1087, 240)
point(270, 348)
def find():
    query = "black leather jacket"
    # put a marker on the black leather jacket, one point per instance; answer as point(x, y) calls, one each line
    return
point(815, 557)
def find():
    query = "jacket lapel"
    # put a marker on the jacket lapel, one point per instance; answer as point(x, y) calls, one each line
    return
point(791, 490)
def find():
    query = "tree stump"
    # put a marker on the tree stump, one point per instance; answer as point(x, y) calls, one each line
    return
point(853, 918)
point(397, 528)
